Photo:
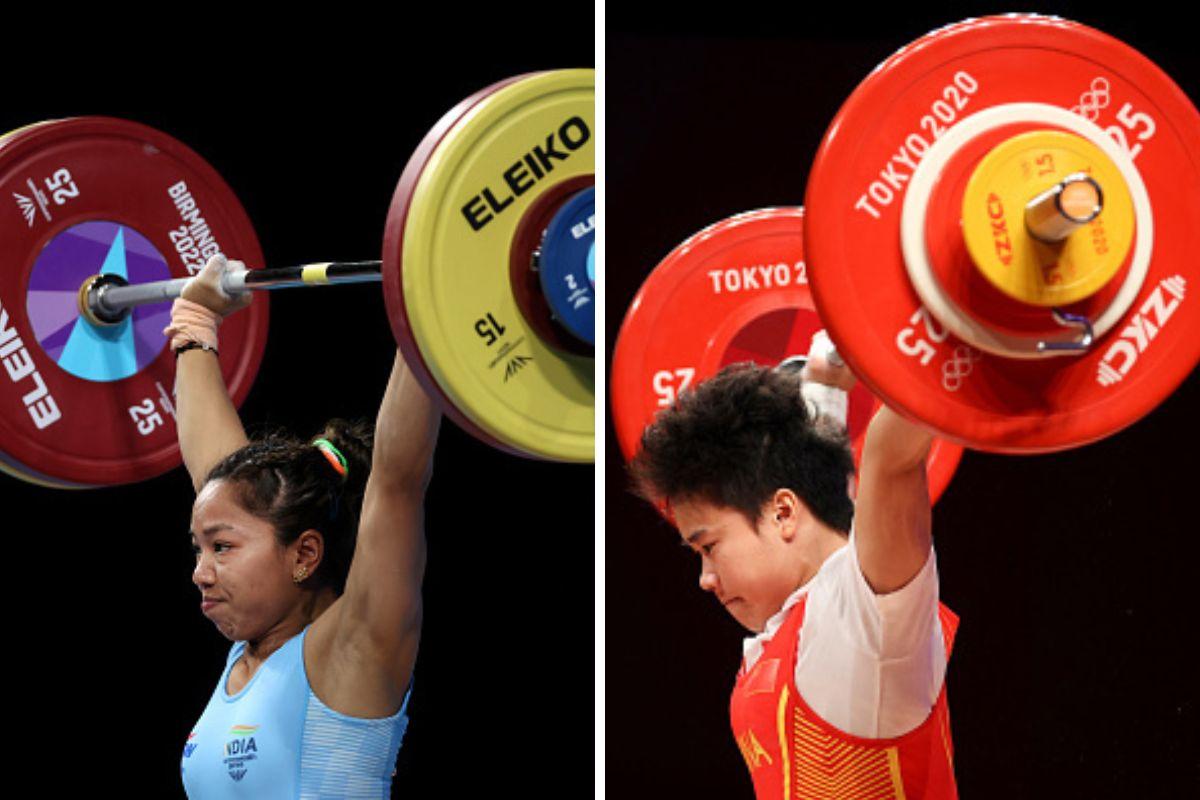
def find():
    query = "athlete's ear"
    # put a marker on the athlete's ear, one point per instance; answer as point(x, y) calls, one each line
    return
point(787, 513)
point(309, 549)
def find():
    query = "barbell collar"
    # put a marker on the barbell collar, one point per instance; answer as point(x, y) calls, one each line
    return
point(1059, 211)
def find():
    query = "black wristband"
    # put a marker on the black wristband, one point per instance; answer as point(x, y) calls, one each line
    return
point(195, 346)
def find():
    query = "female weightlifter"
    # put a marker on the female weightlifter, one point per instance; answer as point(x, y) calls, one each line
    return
point(309, 558)
point(841, 687)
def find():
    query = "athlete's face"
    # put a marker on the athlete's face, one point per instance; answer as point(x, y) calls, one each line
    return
point(750, 569)
point(244, 574)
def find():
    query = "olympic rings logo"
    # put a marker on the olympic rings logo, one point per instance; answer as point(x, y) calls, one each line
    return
point(1093, 101)
point(958, 367)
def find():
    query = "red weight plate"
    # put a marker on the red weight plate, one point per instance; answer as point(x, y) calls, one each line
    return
point(857, 187)
point(393, 248)
point(736, 291)
point(87, 405)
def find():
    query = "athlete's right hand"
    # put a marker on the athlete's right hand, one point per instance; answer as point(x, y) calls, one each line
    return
point(825, 366)
point(205, 287)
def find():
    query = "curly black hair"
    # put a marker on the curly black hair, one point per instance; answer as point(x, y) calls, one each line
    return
point(738, 437)
point(289, 483)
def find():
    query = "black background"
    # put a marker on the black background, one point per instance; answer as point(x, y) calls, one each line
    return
point(311, 122)
point(1074, 671)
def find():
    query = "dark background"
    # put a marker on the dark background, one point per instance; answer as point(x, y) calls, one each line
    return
point(110, 659)
point(1074, 671)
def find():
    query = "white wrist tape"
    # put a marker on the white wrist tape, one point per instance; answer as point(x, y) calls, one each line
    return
point(824, 400)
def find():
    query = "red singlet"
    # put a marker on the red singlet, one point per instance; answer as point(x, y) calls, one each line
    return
point(793, 754)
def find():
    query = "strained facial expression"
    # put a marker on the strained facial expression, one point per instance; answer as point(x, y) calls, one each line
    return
point(242, 570)
point(746, 567)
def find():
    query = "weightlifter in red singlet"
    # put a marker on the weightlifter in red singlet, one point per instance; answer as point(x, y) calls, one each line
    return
point(841, 691)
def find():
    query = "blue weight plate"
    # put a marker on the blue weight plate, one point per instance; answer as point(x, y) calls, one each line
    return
point(567, 265)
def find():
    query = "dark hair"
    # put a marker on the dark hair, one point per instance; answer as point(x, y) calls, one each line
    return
point(737, 438)
point(290, 484)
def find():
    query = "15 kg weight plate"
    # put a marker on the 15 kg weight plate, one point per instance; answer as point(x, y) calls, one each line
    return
point(446, 263)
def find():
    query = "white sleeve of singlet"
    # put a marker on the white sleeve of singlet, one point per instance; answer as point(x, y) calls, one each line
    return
point(870, 665)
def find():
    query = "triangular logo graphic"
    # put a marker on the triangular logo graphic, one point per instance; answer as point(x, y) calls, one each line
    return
point(26, 206)
point(515, 365)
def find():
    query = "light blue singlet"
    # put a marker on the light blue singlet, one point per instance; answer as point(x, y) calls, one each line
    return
point(275, 739)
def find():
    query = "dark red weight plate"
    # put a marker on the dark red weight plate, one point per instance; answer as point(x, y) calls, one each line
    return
point(86, 405)
point(857, 187)
point(736, 291)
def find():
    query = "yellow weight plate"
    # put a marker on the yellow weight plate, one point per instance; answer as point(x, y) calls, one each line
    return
point(993, 214)
point(512, 148)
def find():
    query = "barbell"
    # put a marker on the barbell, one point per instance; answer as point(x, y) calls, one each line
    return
point(998, 236)
point(109, 218)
